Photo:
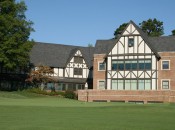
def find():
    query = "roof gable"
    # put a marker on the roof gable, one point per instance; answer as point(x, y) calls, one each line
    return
point(130, 30)
point(57, 55)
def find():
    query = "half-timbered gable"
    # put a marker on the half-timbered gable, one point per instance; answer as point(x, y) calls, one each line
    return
point(132, 62)
point(77, 67)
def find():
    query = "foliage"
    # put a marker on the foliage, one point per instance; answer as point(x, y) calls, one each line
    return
point(119, 30)
point(14, 34)
point(90, 45)
point(70, 94)
point(152, 27)
point(43, 92)
point(173, 32)
point(42, 74)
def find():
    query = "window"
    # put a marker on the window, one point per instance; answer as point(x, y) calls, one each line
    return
point(130, 42)
point(132, 65)
point(78, 59)
point(114, 65)
point(101, 84)
point(101, 66)
point(165, 65)
point(131, 84)
point(117, 84)
point(165, 84)
point(78, 71)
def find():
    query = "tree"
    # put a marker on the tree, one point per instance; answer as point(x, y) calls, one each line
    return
point(173, 32)
point(41, 75)
point(14, 34)
point(152, 27)
point(119, 30)
point(90, 45)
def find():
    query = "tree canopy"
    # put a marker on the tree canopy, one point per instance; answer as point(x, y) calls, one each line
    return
point(15, 30)
point(152, 27)
point(41, 75)
point(120, 29)
point(173, 32)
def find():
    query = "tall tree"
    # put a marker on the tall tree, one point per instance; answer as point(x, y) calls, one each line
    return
point(119, 30)
point(152, 27)
point(14, 34)
point(173, 32)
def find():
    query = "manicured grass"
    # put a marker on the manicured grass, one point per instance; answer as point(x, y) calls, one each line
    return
point(26, 111)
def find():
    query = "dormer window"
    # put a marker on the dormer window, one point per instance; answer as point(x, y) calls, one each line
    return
point(130, 42)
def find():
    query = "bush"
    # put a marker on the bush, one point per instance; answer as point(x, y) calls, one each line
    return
point(70, 94)
point(43, 92)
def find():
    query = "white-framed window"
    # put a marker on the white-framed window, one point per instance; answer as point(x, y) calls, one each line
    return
point(165, 65)
point(101, 84)
point(101, 66)
point(130, 42)
point(165, 84)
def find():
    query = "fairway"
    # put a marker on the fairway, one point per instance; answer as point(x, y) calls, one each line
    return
point(25, 111)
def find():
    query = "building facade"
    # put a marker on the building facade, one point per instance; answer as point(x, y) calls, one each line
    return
point(132, 67)
point(72, 65)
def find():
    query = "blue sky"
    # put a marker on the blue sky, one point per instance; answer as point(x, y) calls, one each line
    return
point(80, 22)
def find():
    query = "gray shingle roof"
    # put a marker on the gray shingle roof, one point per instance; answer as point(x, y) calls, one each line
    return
point(57, 55)
point(104, 46)
point(163, 44)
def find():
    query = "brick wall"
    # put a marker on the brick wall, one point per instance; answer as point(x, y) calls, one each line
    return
point(167, 74)
point(97, 75)
point(126, 96)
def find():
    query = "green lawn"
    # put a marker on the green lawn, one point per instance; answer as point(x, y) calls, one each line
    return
point(25, 111)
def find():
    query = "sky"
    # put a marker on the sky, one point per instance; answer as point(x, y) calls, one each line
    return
point(82, 22)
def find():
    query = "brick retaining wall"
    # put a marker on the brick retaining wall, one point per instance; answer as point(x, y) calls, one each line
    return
point(126, 96)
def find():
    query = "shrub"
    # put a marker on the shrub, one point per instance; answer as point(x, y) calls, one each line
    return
point(43, 92)
point(70, 94)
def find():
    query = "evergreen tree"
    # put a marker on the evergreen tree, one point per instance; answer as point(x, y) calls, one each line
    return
point(152, 27)
point(173, 32)
point(119, 30)
point(14, 34)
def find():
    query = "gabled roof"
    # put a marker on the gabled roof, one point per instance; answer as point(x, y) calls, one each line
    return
point(145, 38)
point(163, 43)
point(56, 55)
point(105, 46)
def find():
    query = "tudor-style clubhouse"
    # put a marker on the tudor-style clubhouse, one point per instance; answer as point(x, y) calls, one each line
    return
point(133, 67)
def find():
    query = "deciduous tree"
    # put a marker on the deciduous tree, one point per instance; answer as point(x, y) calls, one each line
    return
point(14, 34)
point(41, 75)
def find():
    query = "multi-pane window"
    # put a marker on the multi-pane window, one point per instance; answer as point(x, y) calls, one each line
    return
point(165, 65)
point(131, 65)
point(131, 84)
point(165, 84)
point(78, 71)
point(130, 42)
point(101, 84)
point(78, 59)
point(101, 66)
